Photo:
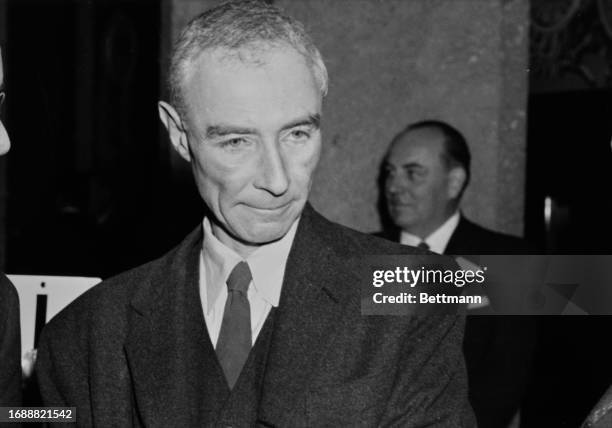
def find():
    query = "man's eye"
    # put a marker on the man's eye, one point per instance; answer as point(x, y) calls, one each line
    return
point(414, 173)
point(299, 134)
point(234, 143)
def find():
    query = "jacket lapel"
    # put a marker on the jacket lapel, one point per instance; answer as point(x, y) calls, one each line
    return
point(309, 307)
point(176, 377)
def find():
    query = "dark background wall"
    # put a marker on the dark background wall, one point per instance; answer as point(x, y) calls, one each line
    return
point(87, 183)
point(569, 203)
point(569, 157)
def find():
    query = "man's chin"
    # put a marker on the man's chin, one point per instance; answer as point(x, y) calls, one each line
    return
point(267, 233)
point(404, 216)
point(405, 222)
point(259, 227)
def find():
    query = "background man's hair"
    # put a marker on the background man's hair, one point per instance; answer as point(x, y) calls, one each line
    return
point(455, 153)
point(233, 25)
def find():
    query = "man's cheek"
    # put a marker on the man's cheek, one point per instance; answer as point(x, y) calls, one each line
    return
point(302, 178)
point(420, 192)
point(308, 166)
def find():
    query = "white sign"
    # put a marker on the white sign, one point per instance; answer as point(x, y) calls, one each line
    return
point(59, 292)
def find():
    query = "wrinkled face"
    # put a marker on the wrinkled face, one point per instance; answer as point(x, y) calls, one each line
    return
point(417, 186)
point(254, 139)
point(5, 143)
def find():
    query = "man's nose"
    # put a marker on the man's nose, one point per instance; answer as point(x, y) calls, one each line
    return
point(272, 175)
point(396, 184)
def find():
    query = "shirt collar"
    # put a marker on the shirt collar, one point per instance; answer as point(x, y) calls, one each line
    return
point(267, 265)
point(438, 240)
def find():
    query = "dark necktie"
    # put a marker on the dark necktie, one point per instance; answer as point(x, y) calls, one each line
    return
point(424, 245)
point(234, 343)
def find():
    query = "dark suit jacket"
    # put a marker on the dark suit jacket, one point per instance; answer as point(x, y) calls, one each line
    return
point(470, 238)
point(134, 350)
point(10, 345)
point(498, 349)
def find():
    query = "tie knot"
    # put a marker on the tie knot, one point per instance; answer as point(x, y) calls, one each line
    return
point(424, 245)
point(240, 278)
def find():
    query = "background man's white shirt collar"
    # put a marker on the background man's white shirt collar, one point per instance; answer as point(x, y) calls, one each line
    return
point(267, 265)
point(438, 240)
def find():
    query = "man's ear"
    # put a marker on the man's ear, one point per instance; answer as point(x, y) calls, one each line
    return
point(456, 181)
point(176, 131)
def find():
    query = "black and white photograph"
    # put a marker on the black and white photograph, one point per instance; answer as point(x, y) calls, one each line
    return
point(306, 213)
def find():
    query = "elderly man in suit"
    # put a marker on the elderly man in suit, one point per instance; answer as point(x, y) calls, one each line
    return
point(10, 336)
point(254, 319)
point(425, 173)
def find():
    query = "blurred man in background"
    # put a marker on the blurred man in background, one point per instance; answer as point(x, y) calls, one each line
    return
point(427, 169)
point(425, 172)
point(10, 333)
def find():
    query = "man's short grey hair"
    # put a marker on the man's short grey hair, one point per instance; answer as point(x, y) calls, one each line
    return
point(235, 25)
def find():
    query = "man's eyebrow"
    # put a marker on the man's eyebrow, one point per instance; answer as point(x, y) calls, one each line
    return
point(212, 131)
point(222, 130)
point(406, 165)
point(313, 120)
point(412, 165)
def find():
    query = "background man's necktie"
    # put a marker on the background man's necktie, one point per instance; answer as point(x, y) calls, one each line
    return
point(234, 343)
point(424, 245)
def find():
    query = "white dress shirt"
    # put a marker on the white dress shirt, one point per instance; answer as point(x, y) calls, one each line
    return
point(267, 265)
point(438, 240)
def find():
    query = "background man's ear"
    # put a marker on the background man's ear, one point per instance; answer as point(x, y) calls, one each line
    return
point(173, 123)
point(456, 181)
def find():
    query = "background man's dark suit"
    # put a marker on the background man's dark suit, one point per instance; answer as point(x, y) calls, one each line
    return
point(470, 238)
point(10, 345)
point(498, 349)
point(151, 361)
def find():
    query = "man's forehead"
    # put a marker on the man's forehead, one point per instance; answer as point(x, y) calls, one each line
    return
point(282, 84)
point(425, 143)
